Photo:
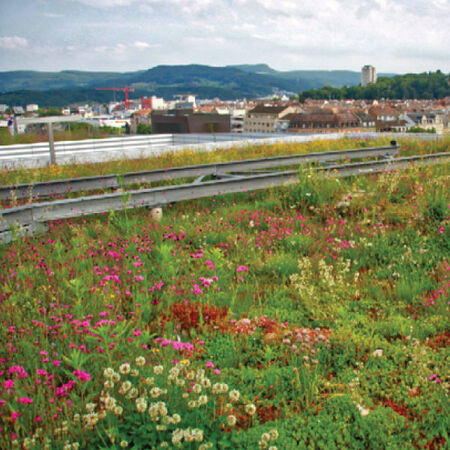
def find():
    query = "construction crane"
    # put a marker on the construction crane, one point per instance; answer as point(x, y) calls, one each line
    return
point(125, 89)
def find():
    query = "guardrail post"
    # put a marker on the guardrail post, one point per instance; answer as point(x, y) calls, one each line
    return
point(51, 144)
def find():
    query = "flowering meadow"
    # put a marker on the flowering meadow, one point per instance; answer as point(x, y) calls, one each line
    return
point(309, 316)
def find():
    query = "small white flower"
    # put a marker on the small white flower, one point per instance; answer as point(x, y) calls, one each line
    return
point(363, 411)
point(231, 420)
point(140, 361)
point(234, 395)
point(124, 368)
point(108, 373)
point(250, 409)
point(90, 407)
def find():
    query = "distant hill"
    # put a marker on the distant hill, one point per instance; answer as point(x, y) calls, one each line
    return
point(226, 83)
point(318, 78)
point(426, 85)
point(43, 81)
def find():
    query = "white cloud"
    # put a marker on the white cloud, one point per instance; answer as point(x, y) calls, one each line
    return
point(141, 45)
point(393, 35)
point(53, 15)
point(13, 42)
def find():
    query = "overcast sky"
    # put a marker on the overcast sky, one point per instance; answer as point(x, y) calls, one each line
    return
point(397, 36)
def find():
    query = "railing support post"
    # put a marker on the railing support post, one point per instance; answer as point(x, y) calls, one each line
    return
point(51, 144)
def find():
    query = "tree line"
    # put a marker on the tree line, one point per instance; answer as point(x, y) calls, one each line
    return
point(428, 85)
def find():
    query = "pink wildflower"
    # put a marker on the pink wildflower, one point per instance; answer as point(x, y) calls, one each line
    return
point(81, 375)
point(242, 269)
point(25, 400)
point(8, 384)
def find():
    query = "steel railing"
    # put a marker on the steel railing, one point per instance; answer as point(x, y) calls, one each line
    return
point(55, 187)
point(28, 215)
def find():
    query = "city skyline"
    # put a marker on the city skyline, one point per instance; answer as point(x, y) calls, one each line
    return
point(128, 35)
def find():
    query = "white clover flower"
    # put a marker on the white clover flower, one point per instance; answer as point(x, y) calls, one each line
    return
point(158, 370)
point(180, 382)
point(155, 392)
point(90, 407)
point(192, 404)
point(176, 418)
point(206, 383)
point(203, 399)
point(250, 409)
point(124, 368)
point(108, 384)
point(190, 375)
point(116, 377)
point(274, 433)
point(197, 434)
point(163, 410)
point(124, 444)
point(188, 435)
point(110, 403)
point(134, 373)
point(234, 395)
point(167, 420)
point(228, 407)
point(174, 372)
point(150, 381)
point(263, 445)
point(125, 387)
point(161, 428)
point(133, 393)
point(272, 447)
point(231, 420)
point(140, 361)
point(362, 410)
point(196, 389)
point(141, 404)
point(108, 373)
point(118, 410)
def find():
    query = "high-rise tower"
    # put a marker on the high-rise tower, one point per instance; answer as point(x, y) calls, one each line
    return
point(368, 75)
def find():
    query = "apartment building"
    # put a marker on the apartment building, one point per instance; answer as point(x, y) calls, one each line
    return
point(324, 121)
point(265, 119)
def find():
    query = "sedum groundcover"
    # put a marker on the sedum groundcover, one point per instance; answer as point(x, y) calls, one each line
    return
point(309, 316)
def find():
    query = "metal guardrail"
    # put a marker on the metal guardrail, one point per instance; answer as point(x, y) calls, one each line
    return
point(96, 150)
point(48, 188)
point(29, 215)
